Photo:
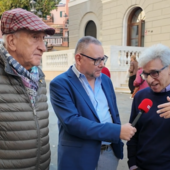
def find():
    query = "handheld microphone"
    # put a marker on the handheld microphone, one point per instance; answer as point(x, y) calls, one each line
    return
point(144, 107)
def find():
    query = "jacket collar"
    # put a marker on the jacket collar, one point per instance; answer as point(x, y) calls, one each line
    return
point(7, 67)
point(110, 99)
point(75, 81)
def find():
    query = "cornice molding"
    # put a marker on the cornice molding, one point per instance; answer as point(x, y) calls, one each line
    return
point(76, 2)
point(104, 1)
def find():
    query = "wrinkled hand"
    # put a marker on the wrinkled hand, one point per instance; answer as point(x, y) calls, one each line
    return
point(127, 131)
point(164, 109)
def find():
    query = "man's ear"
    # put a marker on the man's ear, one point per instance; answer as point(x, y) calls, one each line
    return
point(11, 42)
point(78, 59)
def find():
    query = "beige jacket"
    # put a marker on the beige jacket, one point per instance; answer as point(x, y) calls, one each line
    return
point(133, 68)
point(24, 140)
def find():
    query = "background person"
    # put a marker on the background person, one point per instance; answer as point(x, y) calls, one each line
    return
point(85, 104)
point(139, 83)
point(24, 140)
point(149, 147)
point(106, 71)
point(132, 72)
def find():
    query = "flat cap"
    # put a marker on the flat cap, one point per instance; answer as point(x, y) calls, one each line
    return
point(18, 19)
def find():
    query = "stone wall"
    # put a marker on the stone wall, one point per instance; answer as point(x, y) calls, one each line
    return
point(79, 15)
point(110, 17)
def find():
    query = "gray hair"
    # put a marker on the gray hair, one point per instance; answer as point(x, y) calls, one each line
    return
point(158, 51)
point(4, 37)
point(84, 42)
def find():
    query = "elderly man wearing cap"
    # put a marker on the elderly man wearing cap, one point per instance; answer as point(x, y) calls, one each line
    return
point(24, 140)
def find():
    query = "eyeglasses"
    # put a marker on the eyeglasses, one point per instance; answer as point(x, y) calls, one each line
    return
point(154, 73)
point(98, 60)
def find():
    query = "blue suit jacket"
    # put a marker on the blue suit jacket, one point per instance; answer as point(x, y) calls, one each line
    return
point(80, 130)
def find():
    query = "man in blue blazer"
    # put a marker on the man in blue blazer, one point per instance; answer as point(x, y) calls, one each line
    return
point(85, 103)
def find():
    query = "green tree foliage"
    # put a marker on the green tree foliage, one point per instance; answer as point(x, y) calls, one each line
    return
point(10, 4)
point(44, 5)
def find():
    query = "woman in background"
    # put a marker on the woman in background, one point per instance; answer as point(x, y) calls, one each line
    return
point(139, 83)
point(132, 72)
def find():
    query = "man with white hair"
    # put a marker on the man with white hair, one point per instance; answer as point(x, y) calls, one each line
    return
point(149, 148)
point(24, 139)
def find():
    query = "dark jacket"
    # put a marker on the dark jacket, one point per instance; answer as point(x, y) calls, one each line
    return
point(24, 140)
point(149, 148)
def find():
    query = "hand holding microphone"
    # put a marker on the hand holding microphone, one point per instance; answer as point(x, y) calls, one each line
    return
point(128, 130)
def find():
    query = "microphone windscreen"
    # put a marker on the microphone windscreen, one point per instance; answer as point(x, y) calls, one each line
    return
point(145, 105)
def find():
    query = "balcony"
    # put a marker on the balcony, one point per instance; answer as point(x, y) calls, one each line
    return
point(57, 41)
point(54, 40)
point(54, 63)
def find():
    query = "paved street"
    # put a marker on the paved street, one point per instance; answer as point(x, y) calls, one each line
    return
point(124, 105)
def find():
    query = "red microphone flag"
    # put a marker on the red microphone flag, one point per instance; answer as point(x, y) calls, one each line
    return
point(145, 105)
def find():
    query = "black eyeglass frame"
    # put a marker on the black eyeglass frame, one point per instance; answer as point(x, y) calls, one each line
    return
point(104, 59)
point(145, 75)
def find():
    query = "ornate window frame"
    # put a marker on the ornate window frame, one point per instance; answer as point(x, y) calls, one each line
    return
point(125, 23)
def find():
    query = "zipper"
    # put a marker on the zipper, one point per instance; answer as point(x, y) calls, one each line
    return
point(35, 115)
point(38, 131)
point(36, 122)
point(34, 111)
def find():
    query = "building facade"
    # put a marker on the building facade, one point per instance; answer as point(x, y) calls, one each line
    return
point(124, 27)
point(121, 22)
point(59, 21)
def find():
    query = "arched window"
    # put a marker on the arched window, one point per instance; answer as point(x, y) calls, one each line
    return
point(91, 29)
point(136, 28)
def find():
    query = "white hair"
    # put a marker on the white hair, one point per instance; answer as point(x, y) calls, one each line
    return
point(4, 37)
point(158, 51)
